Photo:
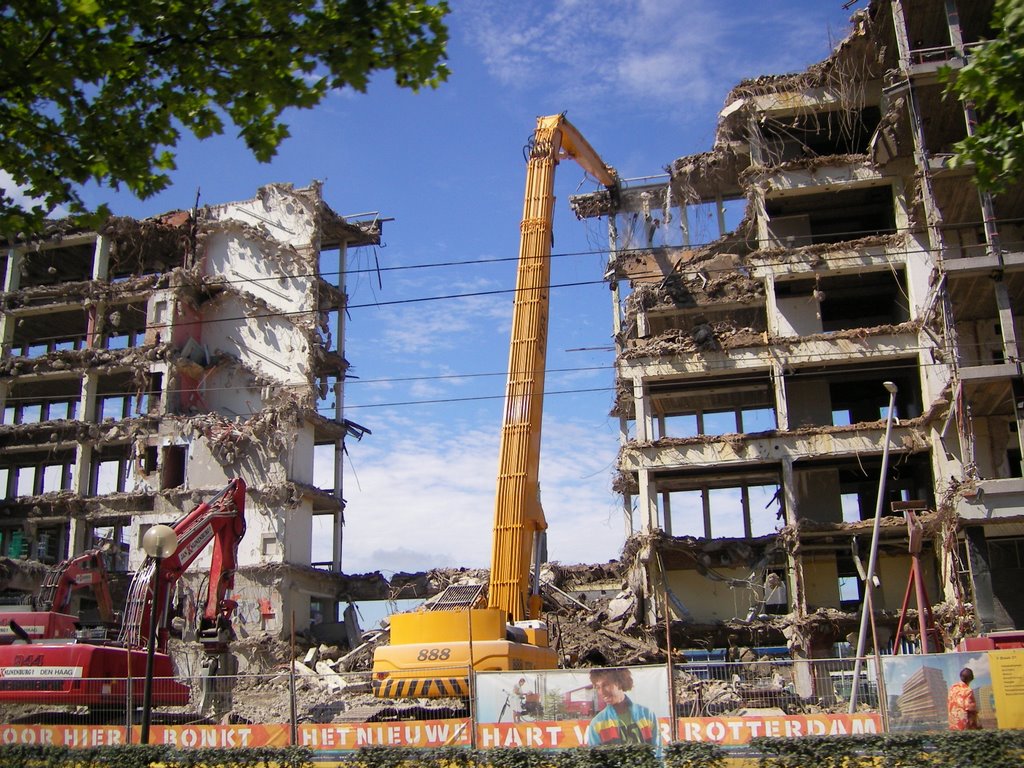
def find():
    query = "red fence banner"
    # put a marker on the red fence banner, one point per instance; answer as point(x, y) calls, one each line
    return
point(735, 731)
point(332, 737)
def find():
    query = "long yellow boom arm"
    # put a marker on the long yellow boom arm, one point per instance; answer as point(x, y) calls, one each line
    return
point(518, 515)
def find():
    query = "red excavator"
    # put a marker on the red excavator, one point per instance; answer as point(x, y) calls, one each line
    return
point(50, 619)
point(109, 675)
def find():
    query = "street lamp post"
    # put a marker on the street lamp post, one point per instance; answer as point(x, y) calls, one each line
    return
point(867, 608)
point(159, 542)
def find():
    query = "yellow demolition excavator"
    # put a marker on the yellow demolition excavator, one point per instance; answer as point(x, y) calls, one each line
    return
point(431, 650)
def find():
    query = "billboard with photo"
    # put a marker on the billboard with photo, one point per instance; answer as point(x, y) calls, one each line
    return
point(558, 709)
point(918, 689)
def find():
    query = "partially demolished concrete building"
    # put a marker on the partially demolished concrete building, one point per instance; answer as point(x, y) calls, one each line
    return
point(146, 364)
point(846, 252)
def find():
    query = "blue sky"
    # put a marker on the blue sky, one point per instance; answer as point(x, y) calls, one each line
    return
point(643, 81)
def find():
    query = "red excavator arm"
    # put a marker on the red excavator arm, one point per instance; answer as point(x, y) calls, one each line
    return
point(85, 571)
point(221, 520)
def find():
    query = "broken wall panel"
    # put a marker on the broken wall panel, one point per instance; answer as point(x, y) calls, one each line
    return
point(863, 261)
point(147, 364)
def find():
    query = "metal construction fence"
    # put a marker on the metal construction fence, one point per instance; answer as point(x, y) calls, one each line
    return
point(335, 712)
point(297, 696)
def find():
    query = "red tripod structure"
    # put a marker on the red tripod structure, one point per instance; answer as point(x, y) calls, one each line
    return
point(926, 622)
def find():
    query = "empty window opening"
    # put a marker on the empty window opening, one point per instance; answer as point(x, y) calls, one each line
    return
point(1013, 461)
point(757, 420)
point(13, 542)
point(706, 222)
point(1006, 553)
point(113, 539)
point(154, 392)
point(719, 407)
point(29, 474)
point(114, 395)
point(124, 325)
point(25, 481)
point(323, 466)
point(172, 469)
point(850, 503)
point(42, 399)
point(269, 545)
point(737, 511)
point(764, 509)
point(56, 477)
point(54, 331)
point(830, 217)
point(165, 245)
point(49, 545)
point(110, 471)
point(322, 545)
point(720, 423)
point(680, 425)
point(849, 583)
point(113, 408)
point(909, 477)
point(61, 410)
point(327, 331)
point(327, 397)
point(67, 263)
point(818, 134)
point(848, 395)
point(863, 300)
point(687, 513)
point(776, 597)
point(726, 513)
point(322, 609)
point(149, 460)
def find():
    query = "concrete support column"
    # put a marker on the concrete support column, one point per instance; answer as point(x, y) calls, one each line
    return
point(666, 512)
point(101, 259)
point(87, 401)
point(627, 498)
point(794, 569)
point(760, 216)
point(899, 23)
point(644, 422)
point(12, 277)
point(81, 472)
point(77, 530)
point(649, 500)
point(338, 527)
point(6, 334)
point(613, 283)
point(778, 374)
point(956, 38)
point(5, 390)
point(1006, 327)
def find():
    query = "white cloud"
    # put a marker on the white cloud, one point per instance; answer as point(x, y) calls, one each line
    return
point(428, 501)
point(677, 57)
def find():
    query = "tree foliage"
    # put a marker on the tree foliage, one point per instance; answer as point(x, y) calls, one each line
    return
point(993, 81)
point(102, 90)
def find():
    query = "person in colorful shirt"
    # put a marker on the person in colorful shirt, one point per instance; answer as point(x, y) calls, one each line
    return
point(621, 721)
point(963, 707)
